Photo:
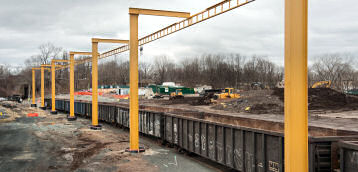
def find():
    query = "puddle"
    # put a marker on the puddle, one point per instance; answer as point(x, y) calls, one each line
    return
point(26, 156)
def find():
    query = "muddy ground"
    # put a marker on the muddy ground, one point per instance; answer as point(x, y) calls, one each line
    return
point(320, 100)
point(51, 143)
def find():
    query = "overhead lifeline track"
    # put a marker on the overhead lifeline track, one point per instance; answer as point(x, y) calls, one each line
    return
point(206, 14)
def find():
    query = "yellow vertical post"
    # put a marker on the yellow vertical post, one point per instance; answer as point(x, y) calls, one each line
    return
point(33, 89)
point(296, 109)
point(133, 52)
point(72, 117)
point(95, 125)
point(53, 88)
point(42, 88)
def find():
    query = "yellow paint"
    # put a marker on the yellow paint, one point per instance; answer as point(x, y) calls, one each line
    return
point(227, 93)
point(110, 40)
point(53, 82)
point(158, 12)
point(59, 60)
point(94, 83)
point(33, 87)
point(133, 64)
point(296, 88)
point(53, 87)
point(80, 53)
point(324, 84)
point(72, 85)
point(168, 30)
point(42, 87)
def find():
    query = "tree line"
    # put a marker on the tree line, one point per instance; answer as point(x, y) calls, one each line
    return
point(216, 70)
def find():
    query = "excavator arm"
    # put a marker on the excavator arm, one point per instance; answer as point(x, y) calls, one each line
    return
point(322, 84)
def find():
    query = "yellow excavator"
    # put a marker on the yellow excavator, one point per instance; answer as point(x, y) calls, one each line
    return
point(322, 84)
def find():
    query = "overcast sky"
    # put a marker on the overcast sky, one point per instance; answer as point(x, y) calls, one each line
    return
point(256, 28)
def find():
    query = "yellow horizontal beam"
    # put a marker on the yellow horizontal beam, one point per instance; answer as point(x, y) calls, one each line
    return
point(80, 53)
point(110, 40)
point(215, 10)
point(58, 60)
point(158, 12)
point(38, 68)
point(45, 65)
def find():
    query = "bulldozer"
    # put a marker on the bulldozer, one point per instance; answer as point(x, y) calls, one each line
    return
point(226, 93)
point(322, 84)
point(212, 95)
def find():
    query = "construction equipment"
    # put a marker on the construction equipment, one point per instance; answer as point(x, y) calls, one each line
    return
point(178, 94)
point(322, 84)
point(257, 85)
point(15, 97)
point(221, 93)
point(227, 93)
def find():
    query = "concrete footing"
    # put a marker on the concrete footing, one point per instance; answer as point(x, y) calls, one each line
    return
point(71, 118)
point(141, 149)
point(33, 105)
point(43, 108)
point(53, 112)
point(96, 127)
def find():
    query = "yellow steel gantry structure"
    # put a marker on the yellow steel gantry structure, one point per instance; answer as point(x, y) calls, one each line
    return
point(95, 41)
point(33, 104)
point(210, 12)
point(72, 116)
point(296, 128)
point(53, 84)
point(33, 71)
point(43, 68)
point(296, 87)
point(53, 69)
point(133, 65)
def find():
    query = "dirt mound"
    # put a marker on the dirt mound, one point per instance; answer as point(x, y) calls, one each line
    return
point(266, 108)
point(320, 100)
point(326, 99)
point(254, 101)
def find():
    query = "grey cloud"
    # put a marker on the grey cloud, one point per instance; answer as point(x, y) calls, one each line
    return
point(257, 28)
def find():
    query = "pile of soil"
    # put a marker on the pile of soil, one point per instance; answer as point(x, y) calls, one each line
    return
point(195, 101)
point(320, 100)
point(326, 99)
point(254, 101)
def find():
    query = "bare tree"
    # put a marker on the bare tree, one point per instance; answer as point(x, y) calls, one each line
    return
point(334, 67)
point(161, 65)
point(144, 70)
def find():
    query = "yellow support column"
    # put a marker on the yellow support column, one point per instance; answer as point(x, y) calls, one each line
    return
point(33, 89)
point(296, 108)
point(95, 125)
point(42, 88)
point(72, 116)
point(53, 88)
point(133, 64)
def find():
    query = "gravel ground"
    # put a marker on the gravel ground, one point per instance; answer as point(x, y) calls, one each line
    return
point(51, 143)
